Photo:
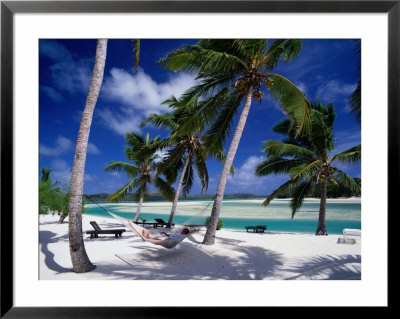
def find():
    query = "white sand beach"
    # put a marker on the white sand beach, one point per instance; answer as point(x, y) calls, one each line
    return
point(236, 255)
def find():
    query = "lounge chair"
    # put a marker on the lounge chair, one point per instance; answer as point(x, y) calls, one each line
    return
point(144, 224)
point(97, 230)
point(257, 229)
point(161, 222)
point(350, 236)
point(351, 232)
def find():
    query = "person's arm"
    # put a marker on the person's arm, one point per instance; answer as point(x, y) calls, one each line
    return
point(164, 233)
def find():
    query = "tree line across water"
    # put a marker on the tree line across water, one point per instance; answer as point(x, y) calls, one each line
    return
point(333, 191)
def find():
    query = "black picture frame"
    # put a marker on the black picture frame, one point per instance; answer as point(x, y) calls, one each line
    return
point(9, 8)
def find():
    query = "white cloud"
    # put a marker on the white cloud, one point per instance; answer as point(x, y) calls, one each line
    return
point(138, 95)
point(334, 90)
point(93, 149)
point(52, 93)
point(302, 87)
point(121, 121)
point(141, 91)
point(54, 50)
point(72, 76)
point(347, 139)
point(61, 171)
point(161, 155)
point(69, 74)
point(245, 179)
point(90, 177)
point(245, 175)
point(62, 145)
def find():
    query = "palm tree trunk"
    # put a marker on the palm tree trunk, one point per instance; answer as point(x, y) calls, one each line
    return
point(209, 238)
point(321, 230)
point(79, 258)
point(138, 208)
point(62, 217)
point(178, 190)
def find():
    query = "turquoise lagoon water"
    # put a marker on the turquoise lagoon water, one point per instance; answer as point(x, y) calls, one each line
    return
point(236, 214)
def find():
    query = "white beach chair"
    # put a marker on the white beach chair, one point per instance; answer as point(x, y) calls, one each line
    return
point(351, 232)
point(349, 236)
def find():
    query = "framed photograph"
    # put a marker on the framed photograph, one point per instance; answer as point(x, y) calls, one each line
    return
point(51, 54)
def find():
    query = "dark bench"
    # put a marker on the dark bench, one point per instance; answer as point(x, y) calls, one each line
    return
point(257, 229)
point(161, 222)
point(144, 224)
point(97, 230)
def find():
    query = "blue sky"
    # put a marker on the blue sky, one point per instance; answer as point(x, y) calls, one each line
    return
point(325, 70)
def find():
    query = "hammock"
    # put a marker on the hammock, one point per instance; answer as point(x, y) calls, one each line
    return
point(169, 242)
point(164, 242)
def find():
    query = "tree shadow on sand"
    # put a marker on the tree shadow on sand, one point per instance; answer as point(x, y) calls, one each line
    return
point(345, 267)
point(46, 238)
point(190, 262)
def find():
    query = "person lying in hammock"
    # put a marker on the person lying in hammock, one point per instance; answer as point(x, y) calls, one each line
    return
point(184, 232)
point(162, 241)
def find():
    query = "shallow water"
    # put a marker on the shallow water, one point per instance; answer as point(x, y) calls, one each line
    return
point(236, 214)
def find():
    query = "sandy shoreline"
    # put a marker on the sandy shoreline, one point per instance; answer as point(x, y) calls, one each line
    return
point(237, 255)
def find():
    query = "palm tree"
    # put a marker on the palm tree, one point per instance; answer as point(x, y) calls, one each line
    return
point(308, 162)
point(50, 196)
point(46, 174)
point(233, 71)
point(142, 173)
point(355, 98)
point(187, 151)
point(79, 257)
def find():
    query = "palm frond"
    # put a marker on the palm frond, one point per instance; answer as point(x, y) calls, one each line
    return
point(134, 139)
point(284, 126)
point(188, 178)
point(136, 51)
point(141, 191)
point(250, 49)
point(220, 128)
point(321, 136)
point(183, 59)
point(345, 180)
point(200, 157)
point(299, 192)
point(164, 121)
point(355, 102)
point(276, 165)
point(283, 189)
point(207, 87)
point(292, 101)
point(193, 59)
point(165, 188)
point(120, 193)
point(118, 166)
point(172, 159)
point(352, 155)
point(278, 149)
point(306, 171)
point(287, 49)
